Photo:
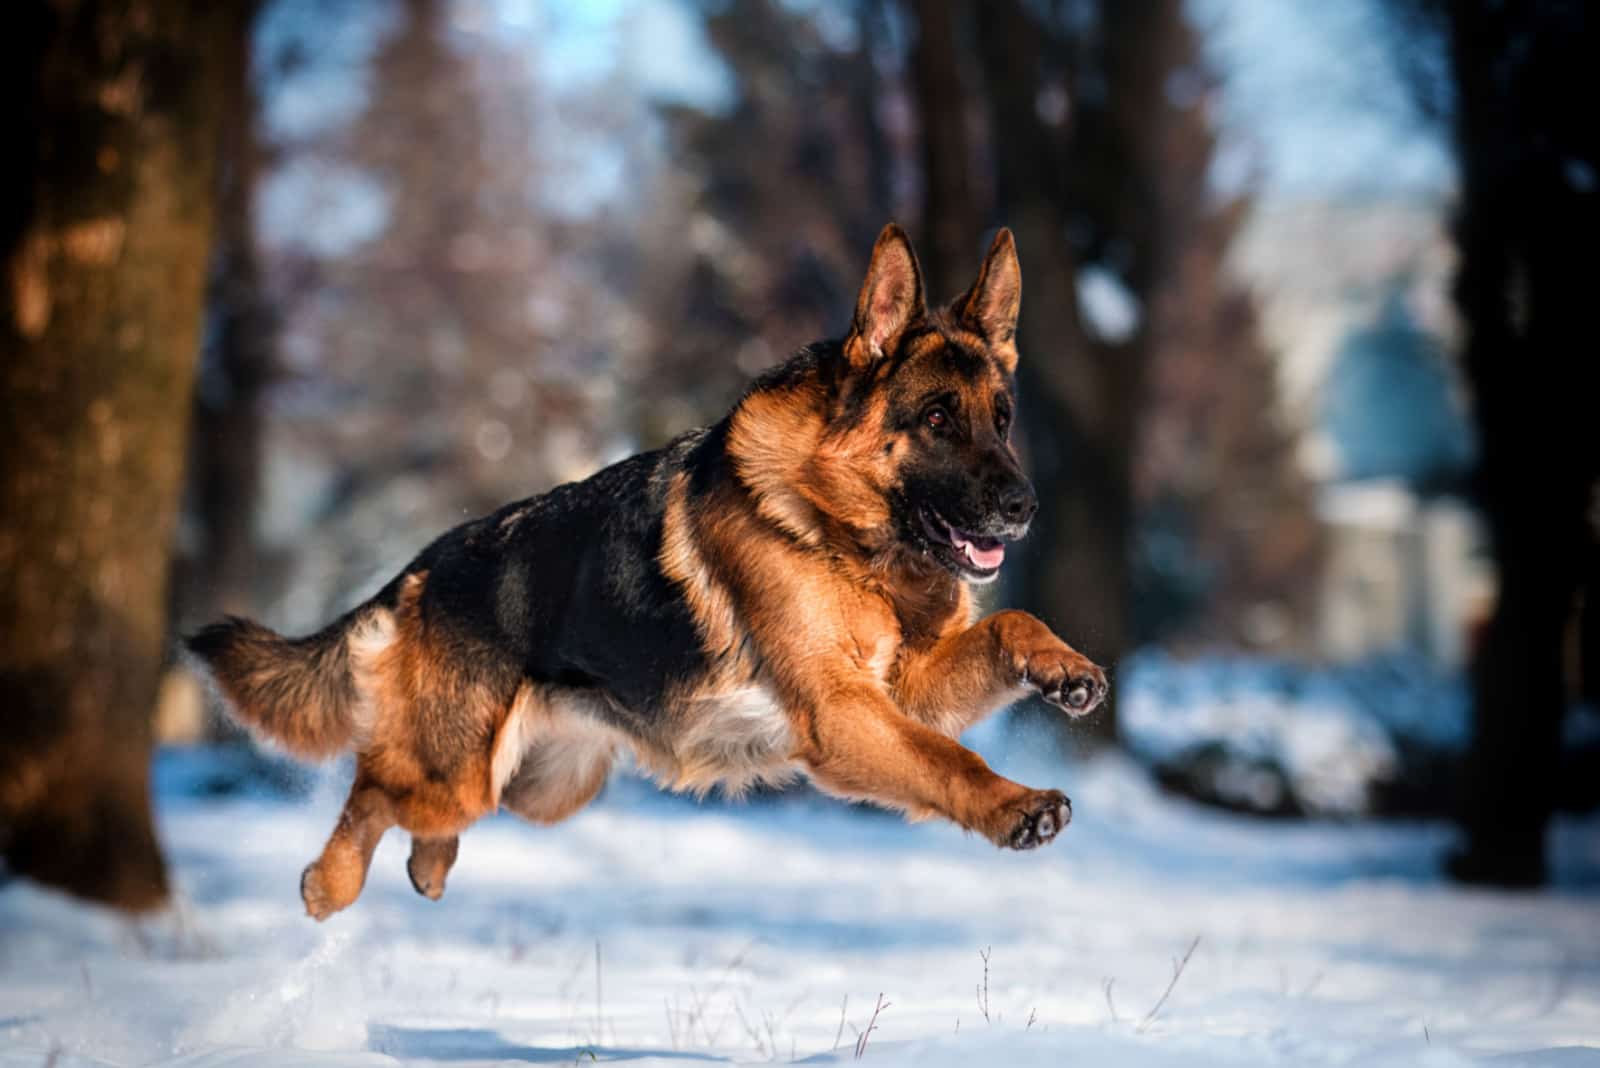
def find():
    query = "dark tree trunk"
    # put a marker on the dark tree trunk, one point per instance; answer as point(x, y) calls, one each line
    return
point(236, 366)
point(1526, 231)
point(867, 94)
point(104, 229)
point(952, 217)
point(1093, 176)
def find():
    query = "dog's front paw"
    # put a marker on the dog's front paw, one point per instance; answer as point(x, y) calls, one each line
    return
point(1037, 659)
point(1066, 679)
point(1034, 819)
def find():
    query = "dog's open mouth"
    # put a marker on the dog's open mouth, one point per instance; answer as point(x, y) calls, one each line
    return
point(978, 554)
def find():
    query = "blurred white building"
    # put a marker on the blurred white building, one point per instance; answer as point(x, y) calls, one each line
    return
point(1402, 572)
point(1354, 297)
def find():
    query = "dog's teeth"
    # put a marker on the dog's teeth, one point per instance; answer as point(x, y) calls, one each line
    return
point(983, 559)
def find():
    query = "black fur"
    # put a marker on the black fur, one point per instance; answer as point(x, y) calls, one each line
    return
point(569, 586)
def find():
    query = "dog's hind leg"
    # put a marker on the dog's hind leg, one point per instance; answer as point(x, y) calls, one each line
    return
point(334, 880)
point(430, 862)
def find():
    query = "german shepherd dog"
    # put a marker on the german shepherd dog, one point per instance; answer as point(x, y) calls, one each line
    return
point(784, 591)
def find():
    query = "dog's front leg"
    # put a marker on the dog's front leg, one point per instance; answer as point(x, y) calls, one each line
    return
point(856, 744)
point(969, 673)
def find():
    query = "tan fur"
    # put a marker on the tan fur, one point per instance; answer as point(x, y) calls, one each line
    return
point(736, 739)
point(564, 768)
point(681, 561)
point(993, 303)
point(334, 880)
point(517, 734)
point(430, 862)
point(770, 440)
point(848, 731)
point(408, 684)
point(367, 641)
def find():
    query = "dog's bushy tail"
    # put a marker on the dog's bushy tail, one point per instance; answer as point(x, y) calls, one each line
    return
point(299, 692)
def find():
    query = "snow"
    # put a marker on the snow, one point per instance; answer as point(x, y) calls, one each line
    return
point(742, 933)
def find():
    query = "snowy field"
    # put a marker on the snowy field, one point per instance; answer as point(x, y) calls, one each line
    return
point(651, 930)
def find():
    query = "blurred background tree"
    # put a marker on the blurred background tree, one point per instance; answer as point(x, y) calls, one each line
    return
point(105, 228)
point(238, 355)
point(1143, 348)
point(1527, 152)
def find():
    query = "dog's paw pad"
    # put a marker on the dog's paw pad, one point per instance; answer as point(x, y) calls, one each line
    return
point(1078, 695)
point(1040, 818)
point(1067, 680)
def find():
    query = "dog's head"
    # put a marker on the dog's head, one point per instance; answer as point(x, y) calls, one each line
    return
point(902, 439)
point(945, 390)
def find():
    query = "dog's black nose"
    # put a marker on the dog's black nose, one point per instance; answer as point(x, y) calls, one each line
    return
point(1017, 503)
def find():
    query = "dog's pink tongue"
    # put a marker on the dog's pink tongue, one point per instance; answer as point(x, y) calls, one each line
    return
point(987, 559)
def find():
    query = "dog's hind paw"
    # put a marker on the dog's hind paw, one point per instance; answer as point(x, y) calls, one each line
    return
point(430, 862)
point(319, 901)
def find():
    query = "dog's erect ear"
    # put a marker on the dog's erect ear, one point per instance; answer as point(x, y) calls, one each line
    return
point(891, 299)
point(991, 306)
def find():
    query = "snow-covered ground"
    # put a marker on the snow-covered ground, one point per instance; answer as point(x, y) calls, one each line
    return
point(652, 930)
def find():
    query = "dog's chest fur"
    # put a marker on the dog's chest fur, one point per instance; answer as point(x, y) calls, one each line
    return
point(738, 734)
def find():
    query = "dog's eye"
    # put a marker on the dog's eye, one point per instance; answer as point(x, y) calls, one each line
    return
point(937, 418)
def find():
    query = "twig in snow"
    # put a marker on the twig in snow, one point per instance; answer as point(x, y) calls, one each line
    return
point(1425, 1036)
point(1112, 1005)
point(1559, 989)
point(983, 991)
point(1033, 1014)
point(751, 1030)
point(1177, 971)
point(696, 1011)
point(872, 1025)
point(599, 999)
point(837, 1035)
point(1311, 987)
point(772, 1033)
point(699, 1004)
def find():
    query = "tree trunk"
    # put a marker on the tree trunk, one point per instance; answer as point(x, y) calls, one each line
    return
point(104, 232)
point(866, 96)
point(952, 218)
point(236, 364)
point(1093, 175)
point(1525, 228)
